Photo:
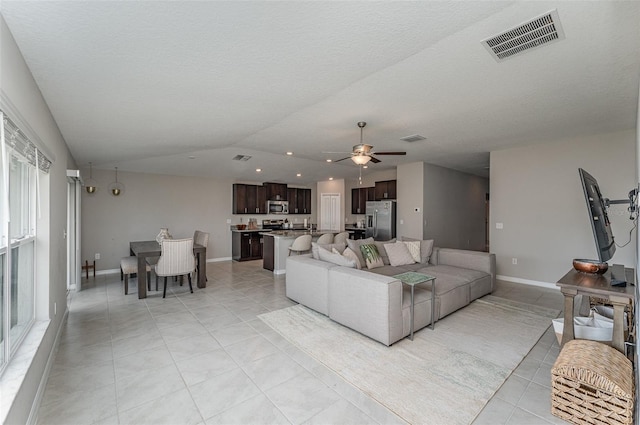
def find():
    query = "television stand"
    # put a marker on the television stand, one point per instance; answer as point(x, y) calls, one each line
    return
point(578, 283)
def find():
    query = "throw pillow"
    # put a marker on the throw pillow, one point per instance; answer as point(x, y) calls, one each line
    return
point(355, 247)
point(399, 254)
point(314, 248)
point(426, 248)
point(337, 259)
point(371, 256)
point(414, 249)
point(348, 253)
point(383, 251)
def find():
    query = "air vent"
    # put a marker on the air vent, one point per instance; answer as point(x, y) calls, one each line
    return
point(241, 158)
point(539, 31)
point(413, 138)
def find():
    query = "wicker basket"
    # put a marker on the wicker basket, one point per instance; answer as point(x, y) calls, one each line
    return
point(592, 383)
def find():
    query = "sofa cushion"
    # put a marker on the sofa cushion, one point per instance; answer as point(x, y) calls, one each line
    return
point(450, 277)
point(314, 248)
point(355, 247)
point(389, 270)
point(348, 253)
point(399, 254)
point(382, 251)
point(335, 258)
point(371, 255)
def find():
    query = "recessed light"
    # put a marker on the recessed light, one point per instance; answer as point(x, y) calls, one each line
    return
point(258, 170)
point(330, 178)
point(365, 166)
point(289, 153)
point(328, 160)
point(298, 175)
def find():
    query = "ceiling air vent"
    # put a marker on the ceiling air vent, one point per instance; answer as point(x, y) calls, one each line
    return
point(241, 158)
point(539, 31)
point(413, 138)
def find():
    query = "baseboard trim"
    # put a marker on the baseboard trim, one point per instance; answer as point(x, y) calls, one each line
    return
point(528, 282)
point(112, 271)
point(35, 406)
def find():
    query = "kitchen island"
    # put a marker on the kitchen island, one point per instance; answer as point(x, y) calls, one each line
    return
point(276, 247)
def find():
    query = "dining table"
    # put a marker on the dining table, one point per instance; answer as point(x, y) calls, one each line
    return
point(146, 249)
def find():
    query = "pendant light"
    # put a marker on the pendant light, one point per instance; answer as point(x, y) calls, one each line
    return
point(116, 187)
point(90, 184)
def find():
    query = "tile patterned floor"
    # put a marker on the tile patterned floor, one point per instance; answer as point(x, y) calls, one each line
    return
point(205, 358)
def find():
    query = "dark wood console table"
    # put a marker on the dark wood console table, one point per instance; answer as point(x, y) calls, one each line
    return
point(577, 283)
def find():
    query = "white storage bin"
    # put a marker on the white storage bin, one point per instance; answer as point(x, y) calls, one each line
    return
point(603, 312)
point(586, 328)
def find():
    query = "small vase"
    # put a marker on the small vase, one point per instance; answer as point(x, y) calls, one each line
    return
point(164, 234)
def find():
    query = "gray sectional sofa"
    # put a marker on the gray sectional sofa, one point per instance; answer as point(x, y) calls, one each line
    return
point(377, 305)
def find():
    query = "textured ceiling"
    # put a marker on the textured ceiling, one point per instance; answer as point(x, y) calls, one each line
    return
point(145, 85)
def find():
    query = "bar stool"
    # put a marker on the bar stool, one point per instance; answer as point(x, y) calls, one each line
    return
point(301, 244)
point(341, 237)
point(326, 238)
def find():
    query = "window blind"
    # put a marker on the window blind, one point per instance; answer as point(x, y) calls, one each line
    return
point(15, 139)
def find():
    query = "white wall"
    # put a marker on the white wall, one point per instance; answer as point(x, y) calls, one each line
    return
point(410, 191)
point(537, 195)
point(152, 201)
point(22, 100)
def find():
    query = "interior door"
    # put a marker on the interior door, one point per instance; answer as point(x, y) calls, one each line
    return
point(330, 212)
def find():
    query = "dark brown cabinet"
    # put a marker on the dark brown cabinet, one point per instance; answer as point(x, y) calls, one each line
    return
point(299, 200)
point(359, 198)
point(246, 246)
point(276, 191)
point(249, 199)
point(385, 190)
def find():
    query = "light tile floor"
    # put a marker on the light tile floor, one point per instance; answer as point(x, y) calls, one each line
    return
point(205, 358)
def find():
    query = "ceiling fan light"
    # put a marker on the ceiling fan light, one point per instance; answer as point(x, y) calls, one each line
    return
point(360, 159)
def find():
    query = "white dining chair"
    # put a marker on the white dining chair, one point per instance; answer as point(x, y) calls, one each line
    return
point(176, 259)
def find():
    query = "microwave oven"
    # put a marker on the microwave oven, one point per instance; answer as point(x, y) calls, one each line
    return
point(277, 207)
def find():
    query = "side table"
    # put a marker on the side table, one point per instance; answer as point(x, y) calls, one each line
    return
point(578, 283)
point(412, 279)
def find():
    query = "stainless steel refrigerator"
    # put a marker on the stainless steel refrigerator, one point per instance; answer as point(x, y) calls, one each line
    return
point(380, 220)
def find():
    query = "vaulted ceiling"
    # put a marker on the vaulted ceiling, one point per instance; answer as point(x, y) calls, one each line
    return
point(181, 87)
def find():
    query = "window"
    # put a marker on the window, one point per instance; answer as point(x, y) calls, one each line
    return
point(18, 183)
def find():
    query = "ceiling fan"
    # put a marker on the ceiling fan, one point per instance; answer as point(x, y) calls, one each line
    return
point(363, 153)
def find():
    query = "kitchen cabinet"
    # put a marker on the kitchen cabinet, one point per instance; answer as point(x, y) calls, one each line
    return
point(299, 200)
point(359, 198)
point(276, 191)
point(385, 190)
point(249, 199)
point(246, 246)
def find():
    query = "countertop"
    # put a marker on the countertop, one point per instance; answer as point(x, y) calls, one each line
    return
point(296, 233)
point(251, 230)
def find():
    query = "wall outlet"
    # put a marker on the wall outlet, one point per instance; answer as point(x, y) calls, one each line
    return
point(97, 256)
point(416, 209)
point(499, 225)
point(514, 261)
point(401, 221)
point(228, 221)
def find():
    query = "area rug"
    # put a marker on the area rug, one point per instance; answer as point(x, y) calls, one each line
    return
point(445, 375)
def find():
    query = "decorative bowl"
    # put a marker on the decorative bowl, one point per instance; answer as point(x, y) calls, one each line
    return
point(241, 226)
point(590, 266)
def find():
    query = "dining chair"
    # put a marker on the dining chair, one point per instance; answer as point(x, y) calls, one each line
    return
point(176, 259)
point(201, 238)
point(326, 238)
point(128, 266)
point(301, 244)
point(341, 237)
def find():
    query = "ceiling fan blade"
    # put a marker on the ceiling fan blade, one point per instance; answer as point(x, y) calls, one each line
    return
point(338, 160)
point(375, 160)
point(389, 153)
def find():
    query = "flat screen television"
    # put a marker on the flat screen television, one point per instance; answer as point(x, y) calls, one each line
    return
point(598, 217)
